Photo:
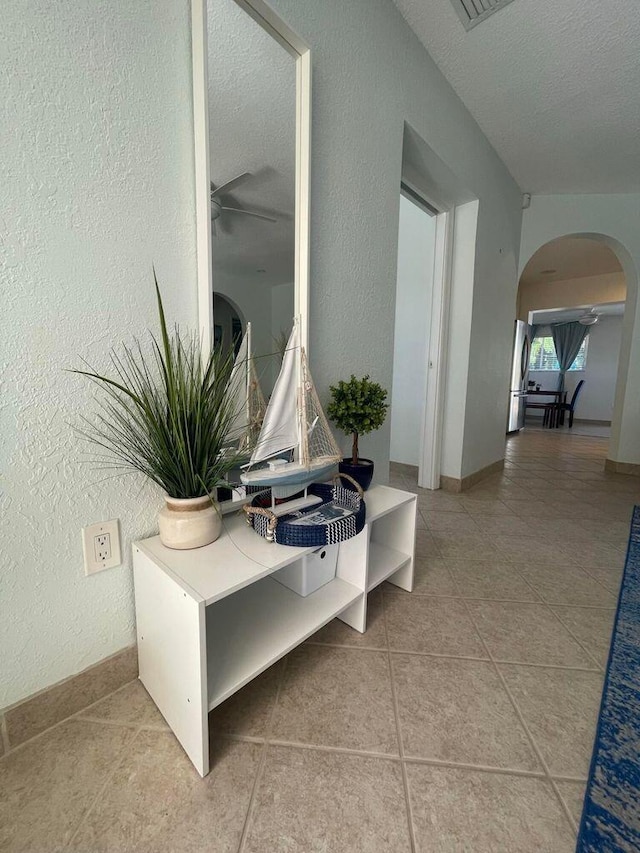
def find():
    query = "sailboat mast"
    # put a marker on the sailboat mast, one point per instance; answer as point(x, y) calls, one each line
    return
point(302, 382)
point(248, 394)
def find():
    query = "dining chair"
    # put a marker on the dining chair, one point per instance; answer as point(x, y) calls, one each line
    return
point(570, 407)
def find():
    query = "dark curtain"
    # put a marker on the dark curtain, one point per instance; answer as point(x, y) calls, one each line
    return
point(567, 340)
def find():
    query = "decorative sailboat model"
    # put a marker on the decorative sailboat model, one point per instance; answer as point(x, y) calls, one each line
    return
point(296, 446)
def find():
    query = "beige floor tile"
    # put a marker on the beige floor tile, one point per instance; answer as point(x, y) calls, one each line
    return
point(528, 507)
point(309, 800)
point(439, 501)
point(573, 795)
point(131, 705)
point(494, 507)
point(338, 633)
point(600, 556)
point(431, 577)
point(458, 711)
point(465, 546)
point(526, 633)
point(427, 625)
point(529, 549)
point(55, 704)
point(464, 811)
point(615, 533)
point(565, 584)
point(610, 578)
point(560, 708)
point(454, 522)
point(491, 580)
point(591, 626)
point(425, 544)
point(421, 523)
point(502, 525)
point(337, 697)
point(249, 711)
point(47, 785)
point(156, 800)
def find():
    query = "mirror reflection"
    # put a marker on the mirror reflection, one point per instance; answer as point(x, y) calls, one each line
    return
point(252, 139)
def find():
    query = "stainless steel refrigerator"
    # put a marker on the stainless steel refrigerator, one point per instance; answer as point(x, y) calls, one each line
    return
point(519, 375)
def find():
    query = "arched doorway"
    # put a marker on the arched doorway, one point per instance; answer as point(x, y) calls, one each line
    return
point(228, 324)
point(626, 383)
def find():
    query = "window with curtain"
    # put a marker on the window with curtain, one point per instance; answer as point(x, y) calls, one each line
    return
point(543, 355)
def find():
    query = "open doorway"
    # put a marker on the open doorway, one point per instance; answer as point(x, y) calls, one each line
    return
point(417, 246)
point(574, 281)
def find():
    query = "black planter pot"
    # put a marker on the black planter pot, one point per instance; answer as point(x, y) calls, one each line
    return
point(362, 473)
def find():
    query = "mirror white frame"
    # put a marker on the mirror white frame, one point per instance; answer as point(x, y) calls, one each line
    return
point(264, 15)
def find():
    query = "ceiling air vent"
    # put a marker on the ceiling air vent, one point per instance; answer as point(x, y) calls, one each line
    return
point(473, 12)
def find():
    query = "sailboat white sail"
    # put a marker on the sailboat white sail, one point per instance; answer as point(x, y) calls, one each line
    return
point(294, 423)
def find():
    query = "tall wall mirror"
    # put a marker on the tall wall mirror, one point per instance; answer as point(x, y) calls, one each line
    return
point(252, 130)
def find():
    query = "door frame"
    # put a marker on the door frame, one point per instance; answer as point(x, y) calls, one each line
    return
point(433, 411)
point(433, 391)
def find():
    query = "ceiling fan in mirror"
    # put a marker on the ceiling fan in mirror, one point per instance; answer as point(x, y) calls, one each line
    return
point(220, 211)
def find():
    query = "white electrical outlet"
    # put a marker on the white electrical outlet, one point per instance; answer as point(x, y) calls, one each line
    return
point(101, 546)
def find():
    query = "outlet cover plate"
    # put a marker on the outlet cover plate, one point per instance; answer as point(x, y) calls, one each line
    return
point(92, 538)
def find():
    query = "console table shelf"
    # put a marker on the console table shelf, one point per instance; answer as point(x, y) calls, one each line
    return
point(384, 562)
point(211, 619)
point(251, 630)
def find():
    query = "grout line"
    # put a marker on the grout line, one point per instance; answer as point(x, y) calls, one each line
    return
point(109, 776)
point(519, 714)
point(570, 632)
point(340, 750)
point(564, 805)
point(546, 665)
point(396, 715)
point(345, 646)
point(481, 768)
point(263, 760)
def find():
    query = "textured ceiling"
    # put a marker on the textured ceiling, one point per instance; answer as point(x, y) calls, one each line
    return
point(570, 257)
point(252, 92)
point(554, 85)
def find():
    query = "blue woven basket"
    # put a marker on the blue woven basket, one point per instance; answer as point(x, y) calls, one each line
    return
point(285, 531)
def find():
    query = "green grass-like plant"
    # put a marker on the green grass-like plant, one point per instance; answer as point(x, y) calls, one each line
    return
point(166, 414)
point(357, 407)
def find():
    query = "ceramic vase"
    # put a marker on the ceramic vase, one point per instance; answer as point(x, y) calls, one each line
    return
point(189, 522)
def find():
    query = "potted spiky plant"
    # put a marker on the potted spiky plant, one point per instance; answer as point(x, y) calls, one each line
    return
point(358, 407)
point(168, 415)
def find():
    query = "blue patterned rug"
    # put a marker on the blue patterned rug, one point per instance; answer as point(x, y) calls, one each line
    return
point(611, 814)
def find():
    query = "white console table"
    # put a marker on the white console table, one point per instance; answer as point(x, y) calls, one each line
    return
point(211, 619)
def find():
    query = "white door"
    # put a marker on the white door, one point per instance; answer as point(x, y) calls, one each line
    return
point(414, 296)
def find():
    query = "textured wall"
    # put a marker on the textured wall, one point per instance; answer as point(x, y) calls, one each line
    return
point(370, 75)
point(97, 183)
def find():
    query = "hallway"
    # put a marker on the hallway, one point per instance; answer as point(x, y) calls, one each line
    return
point(462, 720)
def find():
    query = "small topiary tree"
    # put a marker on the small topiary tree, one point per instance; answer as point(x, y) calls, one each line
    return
point(357, 407)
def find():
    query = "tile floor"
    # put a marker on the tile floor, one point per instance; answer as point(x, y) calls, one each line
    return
point(462, 720)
